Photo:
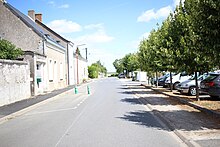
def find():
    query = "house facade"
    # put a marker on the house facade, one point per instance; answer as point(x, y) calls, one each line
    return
point(69, 46)
point(76, 69)
point(81, 68)
point(46, 57)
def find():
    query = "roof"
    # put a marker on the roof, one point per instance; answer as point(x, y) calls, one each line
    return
point(30, 23)
point(46, 27)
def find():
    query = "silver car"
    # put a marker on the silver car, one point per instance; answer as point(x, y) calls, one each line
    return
point(189, 86)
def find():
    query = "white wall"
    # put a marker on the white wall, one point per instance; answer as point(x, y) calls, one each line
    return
point(71, 65)
point(14, 81)
point(82, 69)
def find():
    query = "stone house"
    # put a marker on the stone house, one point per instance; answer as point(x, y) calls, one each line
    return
point(76, 69)
point(46, 57)
point(70, 74)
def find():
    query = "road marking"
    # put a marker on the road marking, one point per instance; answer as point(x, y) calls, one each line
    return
point(68, 129)
point(58, 110)
point(51, 111)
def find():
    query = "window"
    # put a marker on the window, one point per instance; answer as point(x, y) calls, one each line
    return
point(55, 71)
point(38, 67)
point(50, 71)
point(61, 71)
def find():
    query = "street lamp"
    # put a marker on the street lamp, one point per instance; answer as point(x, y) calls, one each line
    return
point(77, 62)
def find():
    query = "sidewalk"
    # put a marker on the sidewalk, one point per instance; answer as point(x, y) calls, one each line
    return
point(17, 106)
point(206, 104)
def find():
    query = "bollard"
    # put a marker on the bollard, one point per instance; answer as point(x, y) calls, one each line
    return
point(88, 89)
point(76, 90)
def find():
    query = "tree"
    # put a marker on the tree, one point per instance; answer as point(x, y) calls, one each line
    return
point(133, 63)
point(130, 62)
point(95, 69)
point(78, 51)
point(118, 65)
point(9, 50)
point(204, 21)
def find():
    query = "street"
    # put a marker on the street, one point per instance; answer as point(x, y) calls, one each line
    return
point(103, 118)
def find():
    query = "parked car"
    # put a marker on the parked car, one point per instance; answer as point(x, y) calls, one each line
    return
point(121, 75)
point(189, 86)
point(211, 85)
point(162, 79)
point(176, 79)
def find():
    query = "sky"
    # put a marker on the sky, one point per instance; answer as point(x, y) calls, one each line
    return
point(109, 29)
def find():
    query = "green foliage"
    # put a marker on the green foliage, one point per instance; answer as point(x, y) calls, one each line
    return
point(188, 40)
point(78, 51)
point(93, 72)
point(118, 65)
point(95, 69)
point(9, 50)
point(204, 23)
point(129, 63)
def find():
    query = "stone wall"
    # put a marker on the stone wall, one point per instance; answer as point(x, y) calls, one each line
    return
point(14, 81)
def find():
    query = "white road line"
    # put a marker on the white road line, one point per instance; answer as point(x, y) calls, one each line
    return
point(51, 111)
point(67, 130)
point(58, 110)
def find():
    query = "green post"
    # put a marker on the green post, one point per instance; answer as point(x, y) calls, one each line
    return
point(88, 89)
point(76, 90)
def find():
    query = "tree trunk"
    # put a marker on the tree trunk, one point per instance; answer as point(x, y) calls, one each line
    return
point(197, 86)
point(156, 79)
point(171, 82)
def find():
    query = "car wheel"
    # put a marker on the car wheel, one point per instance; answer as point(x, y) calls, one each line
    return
point(175, 85)
point(192, 91)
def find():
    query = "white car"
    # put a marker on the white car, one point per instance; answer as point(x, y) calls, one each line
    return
point(176, 79)
point(189, 86)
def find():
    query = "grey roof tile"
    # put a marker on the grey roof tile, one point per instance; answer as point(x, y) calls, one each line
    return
point(30, 23)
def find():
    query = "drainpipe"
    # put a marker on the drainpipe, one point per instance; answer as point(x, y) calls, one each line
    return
point(77, 67)
point(68, 63)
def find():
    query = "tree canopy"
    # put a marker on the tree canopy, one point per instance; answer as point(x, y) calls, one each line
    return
point(188, 40)
point(9, 50)
point(128, 63)
point(95, 69)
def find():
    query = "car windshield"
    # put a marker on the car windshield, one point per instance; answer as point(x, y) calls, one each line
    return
point(211, 77)
point(201, 77)
point(192, 77)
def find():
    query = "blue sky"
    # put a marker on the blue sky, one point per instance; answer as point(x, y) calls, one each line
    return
point(109, 28)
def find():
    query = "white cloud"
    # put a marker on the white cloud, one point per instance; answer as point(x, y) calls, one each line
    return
point(52, 3)
point(151, 14)
point(64, 6)
point(64, 26)
point(99, 26)
point(97, 37)
point(177, 2)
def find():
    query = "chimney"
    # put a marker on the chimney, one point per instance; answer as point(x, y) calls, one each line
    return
point(38, 17)
point(31, 13)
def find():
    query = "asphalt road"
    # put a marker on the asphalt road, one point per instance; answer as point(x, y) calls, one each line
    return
point(105, 118)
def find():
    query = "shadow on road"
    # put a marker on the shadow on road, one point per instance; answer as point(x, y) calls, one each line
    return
point(143, 118)
point(182, 116)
